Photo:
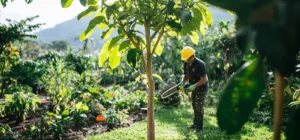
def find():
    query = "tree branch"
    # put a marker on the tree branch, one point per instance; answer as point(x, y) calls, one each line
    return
point(154, 34)
point(136, 44)
point(160, 35)
point(158, 40)
point(126, 33)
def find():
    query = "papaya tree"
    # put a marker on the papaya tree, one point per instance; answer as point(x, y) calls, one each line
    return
point(140, 25)
point(272, 27)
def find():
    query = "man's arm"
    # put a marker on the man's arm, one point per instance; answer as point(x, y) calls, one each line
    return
point(202, 81)
point(185, 78)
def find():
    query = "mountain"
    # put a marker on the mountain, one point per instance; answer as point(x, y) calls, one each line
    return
point(71, 29)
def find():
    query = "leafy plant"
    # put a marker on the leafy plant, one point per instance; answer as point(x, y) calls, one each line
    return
point(79, 113)
point(58, 121)
point(19, 104)
point(124, 99)
point(12, 88)
point(6, 132)
point(59, 82)
point(79, 63)
point(9, 55)
point(111, 117)
point(122, 116)
point(27, 73)
point(31, 132)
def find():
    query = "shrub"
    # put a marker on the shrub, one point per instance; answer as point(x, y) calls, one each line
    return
point(111, 116)
point(19, 104)
point(27, 73)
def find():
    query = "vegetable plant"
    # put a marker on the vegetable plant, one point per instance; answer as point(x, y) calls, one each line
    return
point(19, 104)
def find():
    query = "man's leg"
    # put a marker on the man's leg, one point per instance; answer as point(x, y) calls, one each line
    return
point(199, 108)
point(193, 105)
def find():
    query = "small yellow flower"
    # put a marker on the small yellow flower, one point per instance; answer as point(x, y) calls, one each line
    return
point(181, 89)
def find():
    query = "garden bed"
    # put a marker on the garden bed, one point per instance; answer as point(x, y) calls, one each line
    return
point(90, 127)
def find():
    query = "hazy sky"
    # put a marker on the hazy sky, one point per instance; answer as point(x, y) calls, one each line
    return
point(50, 11)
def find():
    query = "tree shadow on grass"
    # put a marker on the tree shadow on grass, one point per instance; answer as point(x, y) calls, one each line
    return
point(182, 116)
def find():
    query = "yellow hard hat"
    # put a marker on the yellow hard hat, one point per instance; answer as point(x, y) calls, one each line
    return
point(187, 52)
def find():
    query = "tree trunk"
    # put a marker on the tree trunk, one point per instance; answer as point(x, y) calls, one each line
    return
point(278, 107)
point(150, 106)
point(150, 110)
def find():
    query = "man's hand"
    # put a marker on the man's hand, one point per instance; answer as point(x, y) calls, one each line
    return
point(191, 88)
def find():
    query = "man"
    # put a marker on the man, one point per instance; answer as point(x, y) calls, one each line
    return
point(195, 73)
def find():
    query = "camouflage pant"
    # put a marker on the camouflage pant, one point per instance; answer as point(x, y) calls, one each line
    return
point(198, 98)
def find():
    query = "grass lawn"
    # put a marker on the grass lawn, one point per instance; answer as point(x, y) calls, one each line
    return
point(171, 122)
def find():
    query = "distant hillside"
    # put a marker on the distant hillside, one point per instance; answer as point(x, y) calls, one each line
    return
point(71, 29)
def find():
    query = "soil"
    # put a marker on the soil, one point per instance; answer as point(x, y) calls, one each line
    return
point(90, 127)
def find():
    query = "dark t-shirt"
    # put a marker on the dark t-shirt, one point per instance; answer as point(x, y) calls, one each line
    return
point(195, 71)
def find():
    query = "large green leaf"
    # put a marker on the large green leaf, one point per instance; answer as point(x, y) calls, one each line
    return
point(102, 26)
point(87, 12)
point(107, 95)
point(170, 7)
point(104, 53)
point(197, 13)
point(186, 16)
point(124, 45)
point(91, 27)
point(197, 22)
point(294, 103)
point(83, 2)
point(114, 41)
point(206, 15)
point(110, 10)
point(175, 25)
point(159, 49)
point(107, 33)
point(129, 3)
point(85, 108)
point(189, 27)
point(114, 57)
point(157, 76)
point(93, 2)
point(65, 112)
point(195, 38)
point(133, 55)
point(8, 98)
point(66, 3)
point(240, 96)
point(78, 105)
